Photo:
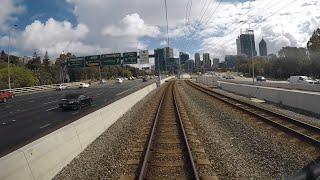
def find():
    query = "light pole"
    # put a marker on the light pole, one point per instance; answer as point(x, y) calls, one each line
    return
point(9, 78)
point(252, 59)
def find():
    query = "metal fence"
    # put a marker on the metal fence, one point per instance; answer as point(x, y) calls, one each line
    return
point(24, 90)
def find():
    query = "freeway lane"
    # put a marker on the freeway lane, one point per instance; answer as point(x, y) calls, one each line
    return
point(29, 117)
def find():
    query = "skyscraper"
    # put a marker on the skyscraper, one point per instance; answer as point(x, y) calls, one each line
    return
point(215, 63)
point(162, 56)
point(183, 57)
point(197, 60)
point(206, 61)
point(263, 48)
point(238, 46)
point(247, 43)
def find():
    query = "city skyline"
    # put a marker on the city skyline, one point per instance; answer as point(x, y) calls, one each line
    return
point(109, 28)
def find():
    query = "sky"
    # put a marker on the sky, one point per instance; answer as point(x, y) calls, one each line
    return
point(87, 27)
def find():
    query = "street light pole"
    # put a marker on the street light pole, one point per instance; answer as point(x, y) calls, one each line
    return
point(252, 59)
point(9, 80)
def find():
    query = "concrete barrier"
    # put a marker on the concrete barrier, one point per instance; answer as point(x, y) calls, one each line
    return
point(308, 101)
point(45, 157)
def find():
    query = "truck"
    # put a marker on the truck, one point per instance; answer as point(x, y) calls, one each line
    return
point(5, 96)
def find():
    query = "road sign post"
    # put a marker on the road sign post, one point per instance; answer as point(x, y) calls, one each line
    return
point(78, 62)
point(92, 60)
point(110, 59)
point(130, 58)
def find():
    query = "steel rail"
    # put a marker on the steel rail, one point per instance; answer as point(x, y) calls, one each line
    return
point(148, 151)
point(239, 104)
point(185, 139)
point(143, 169)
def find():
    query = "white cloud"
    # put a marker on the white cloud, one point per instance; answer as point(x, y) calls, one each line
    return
point(292, 26)
point(131, 25)
point(7, 9)
point(54, 36)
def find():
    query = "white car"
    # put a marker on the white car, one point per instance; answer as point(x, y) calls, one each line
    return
point(61, 87)
point(119, 80)
point(302, 80)
point(83, 85)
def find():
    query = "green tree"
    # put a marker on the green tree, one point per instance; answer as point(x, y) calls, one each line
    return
point(20, 77)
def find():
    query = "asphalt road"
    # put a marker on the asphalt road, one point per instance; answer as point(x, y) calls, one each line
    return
point(29, 117)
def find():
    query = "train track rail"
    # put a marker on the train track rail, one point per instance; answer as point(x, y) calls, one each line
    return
point(170, 145)
point(299, 129)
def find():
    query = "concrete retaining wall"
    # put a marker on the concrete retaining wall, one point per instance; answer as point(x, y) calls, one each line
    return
point(45, 157)
point(303, 87)
point(308, 101)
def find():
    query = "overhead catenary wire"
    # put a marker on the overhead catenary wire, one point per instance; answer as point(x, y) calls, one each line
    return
point(260, 11)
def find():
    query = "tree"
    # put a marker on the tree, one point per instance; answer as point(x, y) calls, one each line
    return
point(20, 77)
point(46, 60)
point(314, 51)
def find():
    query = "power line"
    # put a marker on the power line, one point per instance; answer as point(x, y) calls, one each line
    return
point(287, 5)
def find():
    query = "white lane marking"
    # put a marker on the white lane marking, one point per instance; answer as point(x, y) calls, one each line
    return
point(75, 113)
point(46, 125)
point(13, 120)
point(4, 123)
point(31, 101)
point(50, 102)
point(123, 92)
point(56, 107)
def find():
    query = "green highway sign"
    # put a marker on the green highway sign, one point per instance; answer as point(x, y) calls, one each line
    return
point(77, 62)
point(92, 60)
point(130, 58)
point(110, 59)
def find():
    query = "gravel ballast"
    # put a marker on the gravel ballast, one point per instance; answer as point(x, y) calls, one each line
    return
point(239, 148)
point(107, 156)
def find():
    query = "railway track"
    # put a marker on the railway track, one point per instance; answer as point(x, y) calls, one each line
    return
point(299, 129)
point(171, 150)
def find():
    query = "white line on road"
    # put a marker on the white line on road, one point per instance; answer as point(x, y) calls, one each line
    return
point(56, 107)
point(46, 125)
point(50, 102)
point(75, 113)
point(123, 92)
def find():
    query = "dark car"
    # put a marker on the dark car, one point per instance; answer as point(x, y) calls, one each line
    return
point(75, 101)
point(144, 79)
point(261, 78)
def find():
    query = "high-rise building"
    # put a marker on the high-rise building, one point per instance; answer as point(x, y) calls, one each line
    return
point(230, 61)
point(215, 63)
point(183, 57)
point(206, 61)
point(238, 46)
point(162, 56)
point(247, 43)
point(197, 60)
point(169, 52)
point(263, 48)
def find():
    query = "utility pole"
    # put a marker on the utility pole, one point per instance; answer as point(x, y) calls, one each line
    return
point(159, 69)
point(9, 80)
point(9, 73)
point(252, 54)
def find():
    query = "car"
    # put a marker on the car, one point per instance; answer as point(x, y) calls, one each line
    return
point(261, 78)
point(5, 96)
point(119, 80)
point(103, 81)
point(61, 87)
point(229, 77)
point(75, 101)
point(302, 80)
point(144, 79)
point(84, 85)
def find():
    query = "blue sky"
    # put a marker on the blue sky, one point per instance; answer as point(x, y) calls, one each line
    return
point(86, 27)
